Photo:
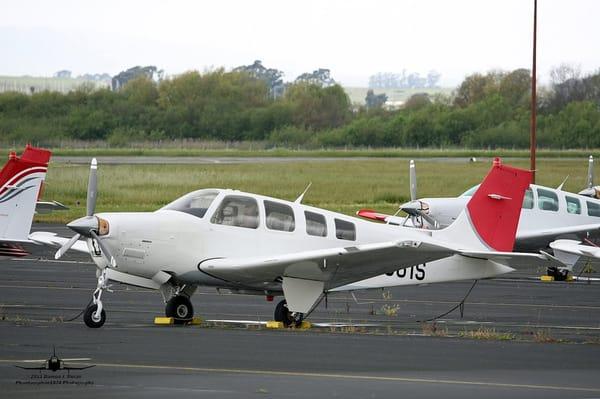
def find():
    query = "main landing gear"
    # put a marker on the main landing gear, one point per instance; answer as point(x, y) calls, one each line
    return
point(289, 319)
point(558, 274)
point(95, 316)
point(177, 300)
point(180, 309)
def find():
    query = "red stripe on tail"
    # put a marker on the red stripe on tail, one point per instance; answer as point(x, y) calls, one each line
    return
point(495, 208)
point(32, 157)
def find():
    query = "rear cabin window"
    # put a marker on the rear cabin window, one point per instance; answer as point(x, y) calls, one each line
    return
point(573, 205)
point(279, 216)
point(528, 199)
point(547, 200)
point(315, 224)
point(236, 210)
point(593, 209)
point(195, 203)
point(345, 230)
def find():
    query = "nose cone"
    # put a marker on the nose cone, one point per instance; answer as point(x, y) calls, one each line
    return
point(84, 225)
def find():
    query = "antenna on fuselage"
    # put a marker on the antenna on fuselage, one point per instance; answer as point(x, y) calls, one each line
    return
point(560, 187)
point(301, 197)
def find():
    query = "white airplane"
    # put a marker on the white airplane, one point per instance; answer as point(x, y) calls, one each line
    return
point(547, 215)
point(21, 182)
point(254, 244)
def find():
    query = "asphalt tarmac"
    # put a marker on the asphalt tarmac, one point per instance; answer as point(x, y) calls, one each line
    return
point(371, 353)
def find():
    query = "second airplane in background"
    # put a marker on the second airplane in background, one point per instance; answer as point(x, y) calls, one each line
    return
point(547, 215)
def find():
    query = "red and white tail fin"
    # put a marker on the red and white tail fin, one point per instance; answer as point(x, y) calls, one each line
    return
point(491, 217)
point(21, 181)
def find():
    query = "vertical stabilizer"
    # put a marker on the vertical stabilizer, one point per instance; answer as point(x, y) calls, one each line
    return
point(21, 180)
point(491, 217)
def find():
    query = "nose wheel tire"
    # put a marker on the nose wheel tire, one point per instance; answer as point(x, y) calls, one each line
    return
point(289, 319)
point(91, 320)
point(180, 308)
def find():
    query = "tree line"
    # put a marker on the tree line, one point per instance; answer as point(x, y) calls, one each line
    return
point(486, 110)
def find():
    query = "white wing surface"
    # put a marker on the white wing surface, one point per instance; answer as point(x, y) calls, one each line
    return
point(332, 266)
point(53, 240)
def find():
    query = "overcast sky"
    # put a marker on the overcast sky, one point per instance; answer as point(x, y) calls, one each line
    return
point(353, 38)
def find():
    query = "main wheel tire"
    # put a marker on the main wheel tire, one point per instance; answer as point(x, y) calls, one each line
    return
point(281, 311)
point(558, 274)
point(89, 320)
point(180, 308)
point(283, 314)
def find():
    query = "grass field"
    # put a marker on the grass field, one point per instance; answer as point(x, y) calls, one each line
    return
point(247, 149)
point(344, 186)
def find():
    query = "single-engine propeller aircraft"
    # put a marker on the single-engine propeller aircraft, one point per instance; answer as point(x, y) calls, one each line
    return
point(547, 215)
point(21, 183)
point(254, 244)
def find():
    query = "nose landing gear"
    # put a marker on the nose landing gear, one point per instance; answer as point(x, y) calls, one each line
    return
point(95, 316)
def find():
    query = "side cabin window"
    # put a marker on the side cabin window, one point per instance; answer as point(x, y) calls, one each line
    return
point(593, 208)
point(196, 203)
point(547, 200)
point(528, 199)
point(237, 210)
point(345, 230)
point(573, 205)
point(279, 216)
point(315, 224)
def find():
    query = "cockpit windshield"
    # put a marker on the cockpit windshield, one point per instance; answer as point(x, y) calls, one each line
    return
point(195, 203)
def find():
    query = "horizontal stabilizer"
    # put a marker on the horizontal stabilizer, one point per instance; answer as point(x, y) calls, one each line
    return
point(516, 260)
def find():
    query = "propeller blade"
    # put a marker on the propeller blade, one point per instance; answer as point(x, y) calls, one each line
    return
point(66, 246)
point(105, 251)
point(92, 188)
point(590, 176)
point(413, 180)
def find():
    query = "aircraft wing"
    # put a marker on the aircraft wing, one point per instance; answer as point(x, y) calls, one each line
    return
point(575, 248)
point(31, 368)
point(332, 267)
point(77, 368)
point(53, 240)
point(382, 217)
point(49, 206)
point(544, 236)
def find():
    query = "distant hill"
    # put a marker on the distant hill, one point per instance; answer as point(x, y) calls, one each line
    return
point(357, 94)
point(24, 84)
